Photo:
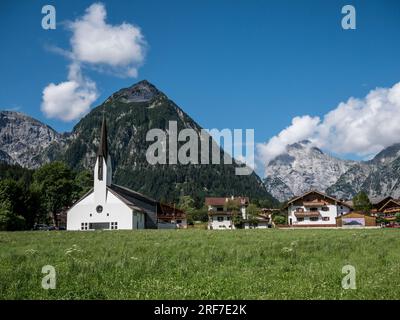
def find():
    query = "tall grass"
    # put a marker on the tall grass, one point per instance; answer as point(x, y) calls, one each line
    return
point(201, 264)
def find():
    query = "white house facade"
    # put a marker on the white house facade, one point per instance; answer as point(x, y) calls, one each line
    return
point(108, 206)
point(219, 216)
point(260, 222)
point(315, 209)
point(263, 220)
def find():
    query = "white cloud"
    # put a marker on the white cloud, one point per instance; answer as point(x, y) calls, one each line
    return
point(122, 47)
point(361, 127)
point(300, 129)
point(119, 50)
point(69, 100)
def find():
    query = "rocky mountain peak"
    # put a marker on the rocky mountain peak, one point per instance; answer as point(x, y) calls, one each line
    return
point(304, 167)
point(142, 91)
point(300, 168)
point(387, 155)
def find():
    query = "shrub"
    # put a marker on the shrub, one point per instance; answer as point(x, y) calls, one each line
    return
point(279, 220)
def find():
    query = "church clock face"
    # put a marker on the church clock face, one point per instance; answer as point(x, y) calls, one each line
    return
point(99, 209)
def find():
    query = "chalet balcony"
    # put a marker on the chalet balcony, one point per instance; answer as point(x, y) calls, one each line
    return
point(307, 214)
point(215, 212)
point(314, 203)
point(393, 210)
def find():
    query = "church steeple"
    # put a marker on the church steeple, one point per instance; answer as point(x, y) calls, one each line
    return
point(103, 168)
point(103, 146)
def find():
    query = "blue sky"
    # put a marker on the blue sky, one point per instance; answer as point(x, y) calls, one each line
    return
point(228, 64)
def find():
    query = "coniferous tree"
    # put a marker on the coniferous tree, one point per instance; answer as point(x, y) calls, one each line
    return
point(361, 202)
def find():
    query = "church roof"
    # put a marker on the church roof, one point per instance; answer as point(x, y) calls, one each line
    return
point(103, 146)
point(133, 199)
point(140, 202)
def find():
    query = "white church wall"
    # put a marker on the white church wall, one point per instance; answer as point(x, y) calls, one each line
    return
point(114, 210)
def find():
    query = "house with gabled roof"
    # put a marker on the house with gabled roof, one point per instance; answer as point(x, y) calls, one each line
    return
point(387, 209)
point(315, 209)
point(220, 217)
point(378, 202)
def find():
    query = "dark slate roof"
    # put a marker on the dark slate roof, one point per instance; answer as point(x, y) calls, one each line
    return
point(103, 146)
point(133, 199)
point(378, 202)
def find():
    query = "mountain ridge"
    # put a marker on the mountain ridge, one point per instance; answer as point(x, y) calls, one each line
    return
point(130, 113)
point(303, 167)
point(300, 168)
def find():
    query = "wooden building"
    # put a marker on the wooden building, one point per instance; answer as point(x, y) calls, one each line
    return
point(355, 219)
point(387, 209)
point(170, 217)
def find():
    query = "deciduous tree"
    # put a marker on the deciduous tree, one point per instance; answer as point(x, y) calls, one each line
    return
point(56, 185)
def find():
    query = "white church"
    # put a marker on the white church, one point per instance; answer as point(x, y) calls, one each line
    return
point(111, 207)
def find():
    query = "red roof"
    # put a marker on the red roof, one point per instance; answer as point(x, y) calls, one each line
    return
point(222, 201)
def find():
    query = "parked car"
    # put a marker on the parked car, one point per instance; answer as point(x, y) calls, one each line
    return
point(45, 227)
point(42, 227)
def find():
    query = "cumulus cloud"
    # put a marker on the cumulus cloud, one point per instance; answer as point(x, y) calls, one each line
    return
point(121, 48)
point(361, 127)
point(116, 49)
point(70, 99)
point(301, 128)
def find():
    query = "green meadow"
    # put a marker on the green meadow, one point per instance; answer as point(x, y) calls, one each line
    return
point(201, 264)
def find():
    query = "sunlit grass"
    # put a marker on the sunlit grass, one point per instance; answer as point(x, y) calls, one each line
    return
point(201, 264)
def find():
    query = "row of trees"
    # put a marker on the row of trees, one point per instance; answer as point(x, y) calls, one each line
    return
point(28, 196)
point(38, 196)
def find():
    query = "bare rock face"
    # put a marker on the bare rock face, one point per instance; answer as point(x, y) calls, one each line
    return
point(23, 139)
point(379, 177)
point(301, 168)
point(142, 91)
point(5, 158)
point(279, 189)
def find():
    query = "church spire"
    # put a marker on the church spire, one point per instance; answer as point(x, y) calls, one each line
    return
point(103, 167)
point(103, 146)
